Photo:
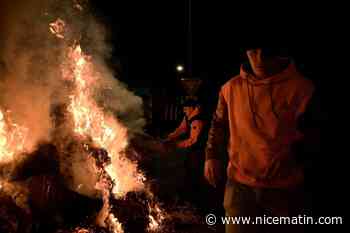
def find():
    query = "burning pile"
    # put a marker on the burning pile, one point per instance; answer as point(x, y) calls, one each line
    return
point(118, 175)
point(65, 126)
point(86, 136)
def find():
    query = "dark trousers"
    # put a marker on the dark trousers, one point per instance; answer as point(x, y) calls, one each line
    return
point(206, 198)
point(243, 201)
point(194, 173)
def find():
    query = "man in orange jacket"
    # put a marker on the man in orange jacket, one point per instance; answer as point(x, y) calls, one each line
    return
point(257, 119)
point(189, 133)
point(189, 139)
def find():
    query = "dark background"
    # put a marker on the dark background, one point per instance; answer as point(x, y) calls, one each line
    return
point(149, 38)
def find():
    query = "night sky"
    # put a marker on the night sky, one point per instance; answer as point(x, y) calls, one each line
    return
point(150, 37)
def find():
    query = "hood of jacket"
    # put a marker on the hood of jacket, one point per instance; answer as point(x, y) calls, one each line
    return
point(286, 73)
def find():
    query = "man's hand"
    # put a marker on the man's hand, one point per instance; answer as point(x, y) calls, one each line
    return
point(213, 171)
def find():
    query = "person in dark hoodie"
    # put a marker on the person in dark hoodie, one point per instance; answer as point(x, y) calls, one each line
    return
point(259, 117)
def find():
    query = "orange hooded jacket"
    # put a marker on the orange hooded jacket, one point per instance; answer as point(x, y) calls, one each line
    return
point(259, 119)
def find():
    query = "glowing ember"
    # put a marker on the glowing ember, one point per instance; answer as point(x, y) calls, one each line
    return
point(115, 224)
point(153, 223)
point(156, 218)
point(83, 231)
point(57, 28)
point(77, 5)
point(12, 138)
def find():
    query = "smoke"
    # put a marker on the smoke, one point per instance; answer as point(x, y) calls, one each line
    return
point(31, 84)
point(30, 75)
point(30, 59)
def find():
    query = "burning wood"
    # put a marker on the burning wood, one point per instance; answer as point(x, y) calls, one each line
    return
point(90, 121)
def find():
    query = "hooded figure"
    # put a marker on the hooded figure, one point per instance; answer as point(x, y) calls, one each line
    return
point(257, 118)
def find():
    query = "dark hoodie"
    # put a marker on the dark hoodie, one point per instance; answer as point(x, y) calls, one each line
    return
point(261, 117)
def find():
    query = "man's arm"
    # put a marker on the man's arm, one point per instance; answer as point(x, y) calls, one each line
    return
point(178, 131)
point(217, 137)
point(216, 144)
point(196, 130)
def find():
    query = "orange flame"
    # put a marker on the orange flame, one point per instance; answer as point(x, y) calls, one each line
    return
point(156, 218)
point(115, 224)
point(12, 138)
point(91, 121)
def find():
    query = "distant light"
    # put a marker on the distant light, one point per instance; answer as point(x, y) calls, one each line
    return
point(180, 68)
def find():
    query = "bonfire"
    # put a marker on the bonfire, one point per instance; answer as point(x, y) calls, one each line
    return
point(85, 177)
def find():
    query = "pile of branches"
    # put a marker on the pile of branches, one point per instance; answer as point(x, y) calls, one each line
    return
point(39, 200)
point(48, 205)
